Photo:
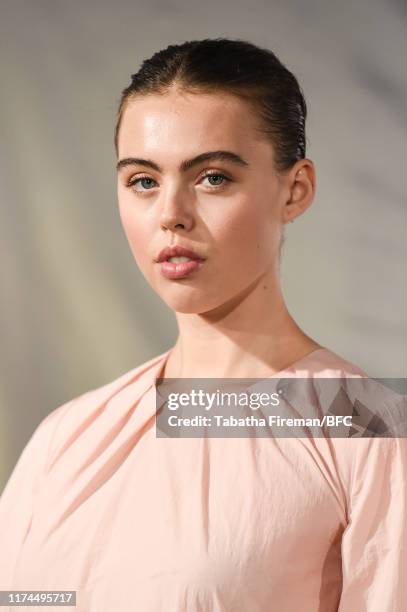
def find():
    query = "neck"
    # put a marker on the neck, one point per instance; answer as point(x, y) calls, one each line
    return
point(252, 335)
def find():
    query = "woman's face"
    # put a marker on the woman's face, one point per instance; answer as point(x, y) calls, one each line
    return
point(194, 171)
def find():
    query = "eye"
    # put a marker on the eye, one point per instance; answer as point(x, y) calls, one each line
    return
point(142, 183)
point(216, 179)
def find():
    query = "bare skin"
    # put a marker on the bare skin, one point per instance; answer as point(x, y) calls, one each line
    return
point(231, 314)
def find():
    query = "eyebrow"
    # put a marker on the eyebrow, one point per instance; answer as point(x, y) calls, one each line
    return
point(188, 163)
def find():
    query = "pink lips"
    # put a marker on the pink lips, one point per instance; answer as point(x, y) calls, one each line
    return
point(174, 270)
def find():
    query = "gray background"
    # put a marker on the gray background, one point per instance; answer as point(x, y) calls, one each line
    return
point(76, 312)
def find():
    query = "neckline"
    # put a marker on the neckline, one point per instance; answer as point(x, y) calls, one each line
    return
point(279, 374)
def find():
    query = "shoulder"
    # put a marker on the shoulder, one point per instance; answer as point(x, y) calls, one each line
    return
point(377, 435)
point(144, 373)
point(327, 363)
point(378, 411)
point(63, 424)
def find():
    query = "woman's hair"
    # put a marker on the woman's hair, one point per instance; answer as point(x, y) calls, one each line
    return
point(236, 67)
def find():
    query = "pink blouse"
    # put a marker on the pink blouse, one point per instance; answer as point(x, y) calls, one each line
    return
point(99, 505)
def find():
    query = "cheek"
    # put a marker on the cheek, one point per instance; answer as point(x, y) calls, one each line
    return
point(246, 235)
point(136, 230)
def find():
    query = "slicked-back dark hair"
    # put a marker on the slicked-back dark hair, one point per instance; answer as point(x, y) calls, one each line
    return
point(236, 67)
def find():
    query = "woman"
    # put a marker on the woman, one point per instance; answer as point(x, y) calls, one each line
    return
point(211, 146)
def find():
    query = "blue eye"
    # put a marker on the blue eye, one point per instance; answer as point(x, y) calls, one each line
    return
point(146, 182)
point(141, 184)
point(216, 179)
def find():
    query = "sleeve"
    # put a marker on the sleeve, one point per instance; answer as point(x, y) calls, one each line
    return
point(374, 543)
point(17, 499)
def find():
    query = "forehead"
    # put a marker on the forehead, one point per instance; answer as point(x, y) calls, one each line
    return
point(185, 123)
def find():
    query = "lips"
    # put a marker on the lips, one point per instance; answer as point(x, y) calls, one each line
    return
point(177, 251)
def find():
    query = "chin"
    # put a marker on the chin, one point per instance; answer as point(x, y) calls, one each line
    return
point(189, 300)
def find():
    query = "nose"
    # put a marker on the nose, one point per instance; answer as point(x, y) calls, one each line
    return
point(176, 212)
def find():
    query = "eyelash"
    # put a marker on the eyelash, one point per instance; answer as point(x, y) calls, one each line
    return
point(134, 181)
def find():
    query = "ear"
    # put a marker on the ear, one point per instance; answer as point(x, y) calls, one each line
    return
point(301, 183)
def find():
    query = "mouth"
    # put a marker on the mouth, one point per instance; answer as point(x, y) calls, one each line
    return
point(177, 252)
point(179, 269)
point(178, 262)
